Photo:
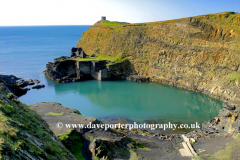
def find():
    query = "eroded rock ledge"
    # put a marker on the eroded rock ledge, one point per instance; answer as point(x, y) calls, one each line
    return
point(68, 69)
point(18, 86)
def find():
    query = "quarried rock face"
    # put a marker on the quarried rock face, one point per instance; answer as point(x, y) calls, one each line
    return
point(62, 71)
point(197, 53)
point(67, 70)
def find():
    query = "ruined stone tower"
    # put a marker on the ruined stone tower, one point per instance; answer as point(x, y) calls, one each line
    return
point(103, 18)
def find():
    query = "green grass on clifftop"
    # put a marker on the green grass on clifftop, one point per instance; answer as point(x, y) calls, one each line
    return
point(99, 57)
point(112, 23)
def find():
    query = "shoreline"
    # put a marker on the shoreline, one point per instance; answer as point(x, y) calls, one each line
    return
point(217, 128)
point(212, 129)
point(199, 54)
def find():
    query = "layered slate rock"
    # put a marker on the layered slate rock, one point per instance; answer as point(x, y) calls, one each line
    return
point(24, 134)
point(196, 53)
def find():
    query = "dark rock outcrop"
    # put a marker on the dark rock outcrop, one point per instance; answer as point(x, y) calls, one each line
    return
point(69, 70)
point(14, 84)
point(227, 122)
point(109, 148)
point(36, 81)
point(18, 85)
point(38, 86)
point(78, 52)
point(62, 71)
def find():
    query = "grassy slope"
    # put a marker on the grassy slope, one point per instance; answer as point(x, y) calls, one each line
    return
point(24, 134)
point(202, 50)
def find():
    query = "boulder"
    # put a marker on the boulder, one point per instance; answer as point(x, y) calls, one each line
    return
point(30, 82)
point(36, 80)
point(223, 112)
point(21, 83)
point(231, 105)
point(38, 86)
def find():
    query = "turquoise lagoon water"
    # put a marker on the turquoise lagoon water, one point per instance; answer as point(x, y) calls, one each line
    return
point(25, 51)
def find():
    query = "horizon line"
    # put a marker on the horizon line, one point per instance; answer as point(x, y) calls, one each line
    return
point(47, 25)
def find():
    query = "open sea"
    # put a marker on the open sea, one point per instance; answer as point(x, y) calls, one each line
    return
point(25, 51)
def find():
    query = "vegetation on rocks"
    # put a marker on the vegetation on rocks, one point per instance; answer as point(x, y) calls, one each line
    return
point(111, 23)
point(102, 56)
point(73, 142)
point(53, 114)
point(229, 152)
point(234, 76)
point(25, 135)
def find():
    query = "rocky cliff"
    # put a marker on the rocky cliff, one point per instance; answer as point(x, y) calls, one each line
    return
point(68, 69)
point(196, 53)
point(24, 134)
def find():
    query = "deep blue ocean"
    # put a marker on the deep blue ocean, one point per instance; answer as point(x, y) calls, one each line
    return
point(25, 51)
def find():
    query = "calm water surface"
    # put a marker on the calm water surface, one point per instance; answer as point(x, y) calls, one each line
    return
point(25, 51)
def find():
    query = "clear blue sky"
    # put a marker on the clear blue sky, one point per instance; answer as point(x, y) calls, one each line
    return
point(87, 12)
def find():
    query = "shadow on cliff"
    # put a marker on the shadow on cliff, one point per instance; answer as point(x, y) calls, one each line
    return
point(121, 71)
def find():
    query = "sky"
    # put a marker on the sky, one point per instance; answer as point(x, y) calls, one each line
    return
point(88, 12)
